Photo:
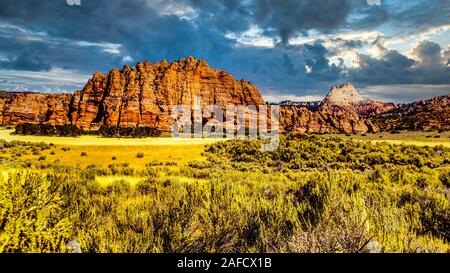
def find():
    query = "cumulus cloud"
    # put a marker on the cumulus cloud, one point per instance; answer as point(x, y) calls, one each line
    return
point(447, 57)
point(429, 54)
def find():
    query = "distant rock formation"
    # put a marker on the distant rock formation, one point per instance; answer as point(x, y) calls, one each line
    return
point(343, 95)
point(327, 119)
point(19, 108)
point(347, 96)
point(424, 115)
point(343, 110)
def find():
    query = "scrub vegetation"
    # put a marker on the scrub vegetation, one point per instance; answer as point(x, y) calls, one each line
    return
point(313, 194)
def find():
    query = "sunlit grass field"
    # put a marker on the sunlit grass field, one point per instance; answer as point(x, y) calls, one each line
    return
point(87, 150)
point(405, 137)
point(89, 140)
point(313, 194)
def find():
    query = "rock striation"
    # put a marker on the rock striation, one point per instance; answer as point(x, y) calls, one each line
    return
point(19, 108)
point(424, 115)
point(143, 95)
point(327, 119)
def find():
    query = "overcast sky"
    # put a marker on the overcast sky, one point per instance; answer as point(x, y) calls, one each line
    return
point(393, 50)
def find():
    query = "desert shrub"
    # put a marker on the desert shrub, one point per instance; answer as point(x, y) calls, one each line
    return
point(154, 163)
point(170, 163)
point(121, 169)
point(29, 215)
point(119, 187)
point(312, 194)
point(146, 186)
point(140, 155)
point(312, 152)
point(444, 177)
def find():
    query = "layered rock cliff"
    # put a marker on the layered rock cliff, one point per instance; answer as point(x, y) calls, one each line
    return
point(34, 108)
point(327, 119)
point(424, 115)
point(143, 95)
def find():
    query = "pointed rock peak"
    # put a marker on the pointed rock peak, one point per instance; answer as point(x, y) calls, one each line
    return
point(165, 63)
point(191, 59)
point(98, 75)
point(347, 85)
point(126, 68)
point(343, 95)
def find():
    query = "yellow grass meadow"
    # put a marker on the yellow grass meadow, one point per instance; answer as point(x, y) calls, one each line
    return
point(326, 188)
point(405, 138)
point(90, 149)
point(86, 150)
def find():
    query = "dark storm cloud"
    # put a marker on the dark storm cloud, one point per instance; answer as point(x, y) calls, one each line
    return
point(99, 35)
point(223, 15)
point(396, 68)
point(289, 17)
point(447, 57)
point(320, 66)
point(288, 65)
point(392, 68)
point(140, 30)
point(26, 61)
point(283, 68)
point(368, 16)
point(64, 54)
point(417, 15)
point(429, 53)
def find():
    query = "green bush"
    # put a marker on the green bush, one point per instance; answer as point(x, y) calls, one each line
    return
point(30, 215)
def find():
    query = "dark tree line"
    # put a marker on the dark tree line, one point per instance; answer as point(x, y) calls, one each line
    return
point(73, 131)
point(133, 132)
point(47, 130)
